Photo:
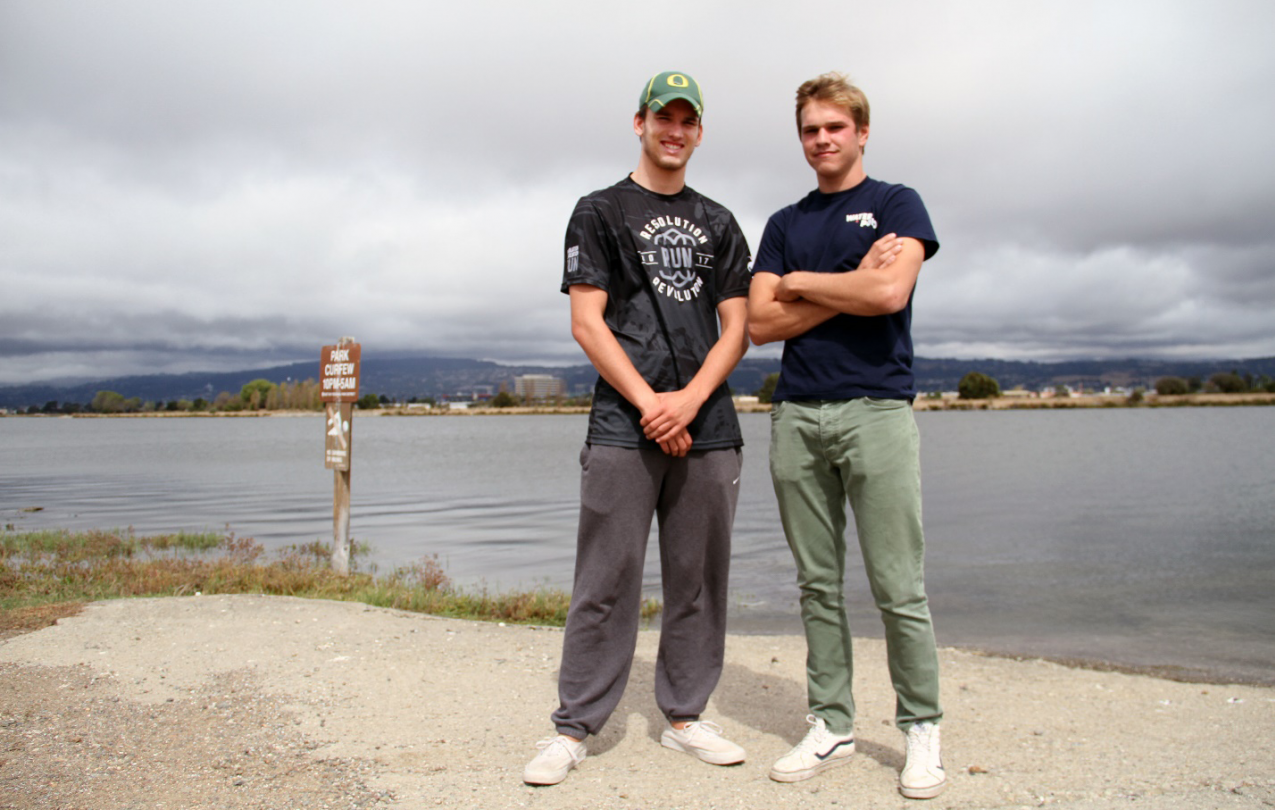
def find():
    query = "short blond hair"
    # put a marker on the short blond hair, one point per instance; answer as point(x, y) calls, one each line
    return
point(834, 88)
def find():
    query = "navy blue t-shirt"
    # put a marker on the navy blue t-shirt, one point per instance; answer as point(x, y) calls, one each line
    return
point(846, 356)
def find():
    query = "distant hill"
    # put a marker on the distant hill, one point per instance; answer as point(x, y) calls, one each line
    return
point(442, 377)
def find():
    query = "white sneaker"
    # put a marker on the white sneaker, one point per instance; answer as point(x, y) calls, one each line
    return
point(704, 740)
point(923, 776)
point(558, 755)
point(819, 750)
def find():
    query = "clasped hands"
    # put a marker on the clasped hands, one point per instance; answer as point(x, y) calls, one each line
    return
point(666, 420)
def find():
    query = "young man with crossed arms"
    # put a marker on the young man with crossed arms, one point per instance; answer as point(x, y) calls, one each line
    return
point(833, 279)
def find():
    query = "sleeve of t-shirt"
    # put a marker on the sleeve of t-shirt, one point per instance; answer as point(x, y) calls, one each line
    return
point(587, 256)
point(904, 214)
point(770, 253)
point(732, 263)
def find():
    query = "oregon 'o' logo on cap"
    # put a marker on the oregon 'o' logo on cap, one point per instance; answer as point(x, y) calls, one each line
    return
point(678, 80)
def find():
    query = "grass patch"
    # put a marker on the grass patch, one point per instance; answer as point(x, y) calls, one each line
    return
point(43, 568)
point(91, 545)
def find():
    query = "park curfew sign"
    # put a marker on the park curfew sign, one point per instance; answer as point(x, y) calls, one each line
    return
point(339, 367)
point(340, 372)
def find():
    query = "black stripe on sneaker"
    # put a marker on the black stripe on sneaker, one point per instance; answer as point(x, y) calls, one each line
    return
point(831, 750)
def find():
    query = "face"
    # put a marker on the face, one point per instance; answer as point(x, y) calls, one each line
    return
point(670, 134)
point(832, 143)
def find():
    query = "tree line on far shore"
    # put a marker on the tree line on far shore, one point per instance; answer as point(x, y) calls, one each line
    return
point(263, 395)
point(977, 385)
point(258, 395)
point(1223, 383)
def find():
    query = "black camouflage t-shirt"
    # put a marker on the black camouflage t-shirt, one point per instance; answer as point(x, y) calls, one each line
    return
point(666, 262)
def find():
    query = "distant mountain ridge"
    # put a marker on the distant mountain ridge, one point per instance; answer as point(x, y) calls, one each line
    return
point(444, 377)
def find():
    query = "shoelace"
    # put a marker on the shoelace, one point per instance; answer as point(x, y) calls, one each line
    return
point(814, 737)
point(707, 727)
point(919, 742)
point(546, 744)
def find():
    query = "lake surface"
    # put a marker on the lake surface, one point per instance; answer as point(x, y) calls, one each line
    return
point(1137, 537)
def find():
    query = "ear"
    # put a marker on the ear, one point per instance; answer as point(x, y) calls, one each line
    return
point(639, 124)
point(700, 137)
point(863, 137)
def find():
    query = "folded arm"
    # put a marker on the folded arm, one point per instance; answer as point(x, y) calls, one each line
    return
point(782, 307)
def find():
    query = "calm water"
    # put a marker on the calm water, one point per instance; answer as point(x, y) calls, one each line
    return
point(1139, 537)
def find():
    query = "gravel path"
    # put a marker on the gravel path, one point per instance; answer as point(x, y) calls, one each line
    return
point(272, 702)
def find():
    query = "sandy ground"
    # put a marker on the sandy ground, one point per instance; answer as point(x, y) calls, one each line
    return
point(271, 702)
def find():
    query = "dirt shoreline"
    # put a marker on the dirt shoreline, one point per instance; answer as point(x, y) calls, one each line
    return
point(26, 620)
point(276, 702)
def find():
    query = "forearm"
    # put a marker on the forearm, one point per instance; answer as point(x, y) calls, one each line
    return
point(677, 409)
point(881, 285)
point(613, 364)
point(608, 357)
point(860, 292)
point(725, 354)
point(590, 330)
point(770, 319)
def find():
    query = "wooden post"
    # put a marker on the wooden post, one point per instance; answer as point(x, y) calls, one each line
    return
point(342, 416)
point(341, 522)
point(340, 388)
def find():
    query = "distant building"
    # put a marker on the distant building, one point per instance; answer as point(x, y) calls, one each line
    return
point(539, 386)
point(475, 393)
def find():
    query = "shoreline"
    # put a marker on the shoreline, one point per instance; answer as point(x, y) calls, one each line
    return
point(1149, 401)
point(1178, 673)
point(49, 615)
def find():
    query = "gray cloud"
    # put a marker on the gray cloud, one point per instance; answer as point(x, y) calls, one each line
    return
point(192, 185)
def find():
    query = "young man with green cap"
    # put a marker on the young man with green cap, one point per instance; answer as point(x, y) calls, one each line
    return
point(658, 280)
point(833, 279)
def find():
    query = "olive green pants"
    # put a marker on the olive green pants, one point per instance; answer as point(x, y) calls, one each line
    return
point(866, 451)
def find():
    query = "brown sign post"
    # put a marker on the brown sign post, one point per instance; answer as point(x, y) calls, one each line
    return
point(339, 367)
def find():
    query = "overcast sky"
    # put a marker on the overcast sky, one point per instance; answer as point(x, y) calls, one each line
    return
point(222, 185)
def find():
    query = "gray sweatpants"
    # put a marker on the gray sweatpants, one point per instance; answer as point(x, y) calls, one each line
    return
point(694, 499)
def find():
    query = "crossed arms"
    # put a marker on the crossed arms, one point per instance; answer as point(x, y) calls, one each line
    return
point(665, 416)
point(782, 307)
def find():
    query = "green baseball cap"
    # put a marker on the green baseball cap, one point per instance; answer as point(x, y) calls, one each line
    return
point(669, 85)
